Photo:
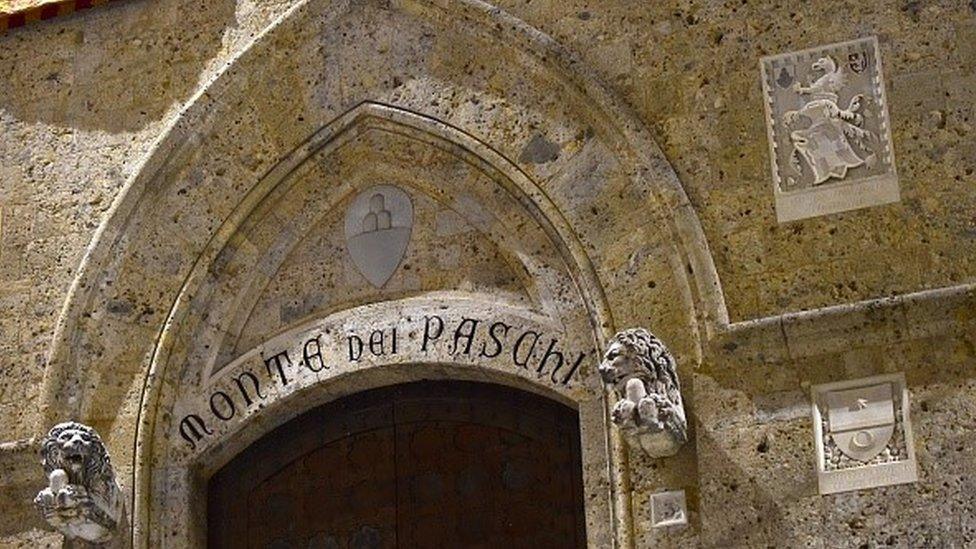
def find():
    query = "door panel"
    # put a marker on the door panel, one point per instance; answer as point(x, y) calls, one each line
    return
point(419, 465)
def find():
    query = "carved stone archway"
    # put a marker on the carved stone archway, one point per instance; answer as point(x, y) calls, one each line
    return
point(184, 429)
point(168, 282)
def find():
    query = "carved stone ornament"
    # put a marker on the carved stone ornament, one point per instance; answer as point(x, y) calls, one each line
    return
point(863, 434)
point(644, 375)
point(82, 499)
point(829, 134)
point(668, 509)
point(378, 226)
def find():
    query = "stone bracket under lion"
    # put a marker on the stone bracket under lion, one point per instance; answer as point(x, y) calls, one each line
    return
point(82, 500)
point(643, 375)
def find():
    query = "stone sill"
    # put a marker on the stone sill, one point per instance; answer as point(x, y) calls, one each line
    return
point(17, 13)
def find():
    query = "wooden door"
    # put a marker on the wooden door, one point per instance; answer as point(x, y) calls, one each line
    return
point(433, 464)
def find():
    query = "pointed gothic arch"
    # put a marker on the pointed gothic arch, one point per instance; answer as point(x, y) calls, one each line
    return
point(216, 165)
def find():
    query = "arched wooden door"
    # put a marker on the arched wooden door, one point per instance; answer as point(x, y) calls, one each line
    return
point(431, 464)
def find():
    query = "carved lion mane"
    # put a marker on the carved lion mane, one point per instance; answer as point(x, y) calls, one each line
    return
point(78, 450)
point(644, 374)
point(638, 353)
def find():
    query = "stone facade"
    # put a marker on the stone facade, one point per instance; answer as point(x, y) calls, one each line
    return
point(175, 179)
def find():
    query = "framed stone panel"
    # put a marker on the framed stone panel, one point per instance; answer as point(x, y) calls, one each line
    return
point(828, 129)
point(863, 434)
point(669, 509)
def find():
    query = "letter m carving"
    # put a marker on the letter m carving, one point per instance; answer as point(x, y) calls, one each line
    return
point(193, 424)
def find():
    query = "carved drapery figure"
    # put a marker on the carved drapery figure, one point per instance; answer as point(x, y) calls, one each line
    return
point(644, 375)
point(82, 499)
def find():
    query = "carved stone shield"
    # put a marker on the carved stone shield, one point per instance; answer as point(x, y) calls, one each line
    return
point(862, 420)
point(378, 226)
point(829, 135)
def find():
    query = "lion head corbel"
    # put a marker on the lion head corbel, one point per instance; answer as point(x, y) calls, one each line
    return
point(643, 374)
point(82, 499)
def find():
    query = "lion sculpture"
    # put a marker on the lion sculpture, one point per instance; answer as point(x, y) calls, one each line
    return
point(643, 373)
point(82, 499)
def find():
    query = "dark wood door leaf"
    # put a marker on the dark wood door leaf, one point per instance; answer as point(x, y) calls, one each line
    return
point(426, 465)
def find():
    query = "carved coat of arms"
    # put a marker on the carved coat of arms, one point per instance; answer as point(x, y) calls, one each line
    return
point(861, 421)
point(829, 134)
point(863, 434)
point(378, 226)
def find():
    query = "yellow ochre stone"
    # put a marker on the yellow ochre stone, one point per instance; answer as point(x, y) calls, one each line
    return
point(174, 176)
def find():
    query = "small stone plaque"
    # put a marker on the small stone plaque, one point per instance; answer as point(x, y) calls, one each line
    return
point(863, 435)
point(828, 128)
point(668, 509)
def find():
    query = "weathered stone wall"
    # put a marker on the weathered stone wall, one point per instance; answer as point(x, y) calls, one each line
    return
point(82, 98)
point(691, 70)
point(85, 98)
point(758, 482)
point(78, 115)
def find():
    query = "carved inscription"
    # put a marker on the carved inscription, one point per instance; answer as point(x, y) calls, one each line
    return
point(430, 337)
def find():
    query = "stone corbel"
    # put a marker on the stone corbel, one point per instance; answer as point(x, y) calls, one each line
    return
point(643, 375)
point(82, 500)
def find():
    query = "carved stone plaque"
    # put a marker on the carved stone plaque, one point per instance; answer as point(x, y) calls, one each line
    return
point(668, 509)
point(378, 226)
point(863, 435)
point(829, 134)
